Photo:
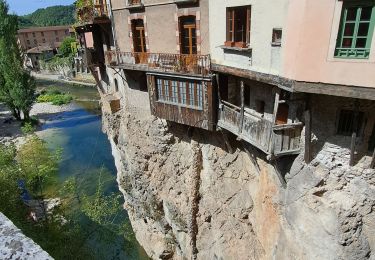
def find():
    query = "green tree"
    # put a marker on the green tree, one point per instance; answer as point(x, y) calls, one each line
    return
point(66, 46)
point(17, 87)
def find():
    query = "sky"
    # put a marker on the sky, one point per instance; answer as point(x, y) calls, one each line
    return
point(22, 7)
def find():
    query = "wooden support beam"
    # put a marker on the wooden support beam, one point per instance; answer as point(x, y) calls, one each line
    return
point(226, 141)
point(271, 146)
point(251, 153)
point(307, 136)
point(372, 165)
point(242, 107)
point(352, 149)
point(354, 134)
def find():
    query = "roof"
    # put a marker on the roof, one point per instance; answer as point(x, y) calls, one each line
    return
point(44, 29)
point(40, 49)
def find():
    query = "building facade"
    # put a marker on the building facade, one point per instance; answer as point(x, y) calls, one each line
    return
point(250, 68)
point(39, 36)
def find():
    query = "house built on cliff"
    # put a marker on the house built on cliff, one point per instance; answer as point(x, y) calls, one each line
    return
point(283, 76)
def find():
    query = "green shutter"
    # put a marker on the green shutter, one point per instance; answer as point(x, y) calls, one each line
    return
point(356, 30)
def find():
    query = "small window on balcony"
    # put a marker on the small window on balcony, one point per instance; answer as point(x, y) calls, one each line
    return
point(139, 39)
point(276, 37)
point(238, 26)
point(188, 35)
point(356, 30)
point(282, 114)
point(347, 125)
point(259, 106)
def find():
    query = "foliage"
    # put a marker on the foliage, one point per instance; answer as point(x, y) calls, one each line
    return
point(57, 64)
point(37, 163)
point(66, 47)
point(55, 99)
point(17, 87)
point(28, 128)
point(50, 16)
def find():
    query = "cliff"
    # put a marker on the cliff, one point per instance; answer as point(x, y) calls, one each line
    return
point(189, 196)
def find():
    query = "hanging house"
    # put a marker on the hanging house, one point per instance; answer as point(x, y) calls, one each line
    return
point(169, 58)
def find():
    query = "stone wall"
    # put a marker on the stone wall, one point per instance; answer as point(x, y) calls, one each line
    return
point(15, 245)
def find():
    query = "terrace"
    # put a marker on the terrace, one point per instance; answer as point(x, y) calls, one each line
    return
point(193, 64)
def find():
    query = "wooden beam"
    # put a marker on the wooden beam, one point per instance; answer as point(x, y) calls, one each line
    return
point(271, 146)
point(307, 136)
point(352, 149)
point(226, 141)
point(354, 134)
point(372, 165)
point(242, 107)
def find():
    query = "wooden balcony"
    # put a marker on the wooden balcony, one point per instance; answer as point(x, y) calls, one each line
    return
point(160, 62)
point(92, 11)
point(272, 139)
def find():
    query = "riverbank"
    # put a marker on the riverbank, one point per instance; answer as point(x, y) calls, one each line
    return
point(60, 78)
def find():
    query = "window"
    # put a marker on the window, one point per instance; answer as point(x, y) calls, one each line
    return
point(282, 114)
point(33, 34)
point(42, 33)
point(57, 39)
point(356, 30)
point(188, 37)
point(174, 97)
point(44, 40)
point(180, 92)
point(259, 106)
point(28, 42)
point(346, 125)
point(139, 39)
point(276, 37)
point(238, 26)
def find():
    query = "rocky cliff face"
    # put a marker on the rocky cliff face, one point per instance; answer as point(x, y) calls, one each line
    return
point(188, 197)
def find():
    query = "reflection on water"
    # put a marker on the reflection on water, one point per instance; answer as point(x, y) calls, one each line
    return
point(86, 153)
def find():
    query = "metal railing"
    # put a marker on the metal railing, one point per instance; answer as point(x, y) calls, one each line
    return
point(179, 63)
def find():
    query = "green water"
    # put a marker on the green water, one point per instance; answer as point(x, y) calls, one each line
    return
point(86, 153)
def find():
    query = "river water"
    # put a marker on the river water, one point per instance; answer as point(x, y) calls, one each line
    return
point(86, 155)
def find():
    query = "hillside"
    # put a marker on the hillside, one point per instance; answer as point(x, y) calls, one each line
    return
point(50, 16)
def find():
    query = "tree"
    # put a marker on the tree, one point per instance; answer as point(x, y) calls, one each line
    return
point(17, 87)
point(66, 46)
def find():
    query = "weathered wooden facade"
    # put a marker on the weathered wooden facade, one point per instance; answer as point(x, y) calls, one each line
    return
point(261, 114)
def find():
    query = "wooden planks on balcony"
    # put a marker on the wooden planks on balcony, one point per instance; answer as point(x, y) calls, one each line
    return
point(161, 62)
point(272, 139)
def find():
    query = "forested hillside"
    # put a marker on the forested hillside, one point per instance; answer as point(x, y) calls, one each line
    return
point(50, 16)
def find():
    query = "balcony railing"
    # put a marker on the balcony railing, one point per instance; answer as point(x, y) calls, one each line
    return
point(89, 10)
point(271, 139)
point(164, 62)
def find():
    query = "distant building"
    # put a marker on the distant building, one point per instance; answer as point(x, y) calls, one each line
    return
point(36, 54)
point(40, 36)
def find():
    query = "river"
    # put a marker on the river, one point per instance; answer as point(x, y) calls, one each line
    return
point(86, 155)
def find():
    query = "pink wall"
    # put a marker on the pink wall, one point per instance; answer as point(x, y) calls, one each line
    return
point(310, 39)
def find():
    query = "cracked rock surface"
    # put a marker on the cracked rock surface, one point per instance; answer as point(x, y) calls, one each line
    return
point(15, 245)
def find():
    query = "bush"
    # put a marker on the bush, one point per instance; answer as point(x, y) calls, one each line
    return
point(55, 97)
